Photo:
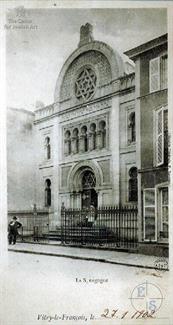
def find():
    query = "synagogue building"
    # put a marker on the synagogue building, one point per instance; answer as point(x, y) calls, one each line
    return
point(104, 140)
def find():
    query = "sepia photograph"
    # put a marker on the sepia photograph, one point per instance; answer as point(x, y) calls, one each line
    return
point(86, 130)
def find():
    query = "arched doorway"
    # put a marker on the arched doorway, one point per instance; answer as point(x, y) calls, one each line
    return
point(89, 194)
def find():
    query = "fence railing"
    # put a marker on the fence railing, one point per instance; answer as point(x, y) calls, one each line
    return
point(105, 226)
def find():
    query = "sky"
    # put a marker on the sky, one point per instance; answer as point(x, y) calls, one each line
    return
point(36, 52)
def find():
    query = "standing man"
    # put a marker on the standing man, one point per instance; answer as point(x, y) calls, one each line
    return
point(13, 227)
point(91, 217)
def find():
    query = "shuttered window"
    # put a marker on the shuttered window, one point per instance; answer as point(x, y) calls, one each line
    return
point(159, 137)
point(164, 72)
point(154, 74)
point(158, 73)
point(150, 231)
point(165, 136)
point(164, 212)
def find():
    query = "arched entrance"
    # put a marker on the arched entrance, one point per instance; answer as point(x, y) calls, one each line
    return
point(84, 182)
point(89, 194)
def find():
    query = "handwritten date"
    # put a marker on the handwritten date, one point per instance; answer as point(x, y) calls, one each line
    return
point(115, 313)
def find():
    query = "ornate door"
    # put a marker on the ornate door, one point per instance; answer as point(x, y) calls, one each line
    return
point(89, 195)
point(86, 198)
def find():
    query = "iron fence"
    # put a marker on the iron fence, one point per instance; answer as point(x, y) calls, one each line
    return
point(114, 227)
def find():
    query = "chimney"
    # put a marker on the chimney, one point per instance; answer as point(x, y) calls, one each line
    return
point(86, 34)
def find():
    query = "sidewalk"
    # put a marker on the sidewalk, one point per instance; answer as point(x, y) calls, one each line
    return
point(105, 256)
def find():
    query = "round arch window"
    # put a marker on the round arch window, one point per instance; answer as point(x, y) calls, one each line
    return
point(85, 84)
point(88, 180)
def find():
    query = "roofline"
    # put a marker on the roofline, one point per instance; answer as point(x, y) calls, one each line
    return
point(42, 108)
point(20, 110)
point(137, 51)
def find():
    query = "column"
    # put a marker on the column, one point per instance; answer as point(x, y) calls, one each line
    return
point(91, 141)
point(67, 147)
point(114, 146)
point(82, 143)
point(74, 146)
point(99, 139)
point(103, 138)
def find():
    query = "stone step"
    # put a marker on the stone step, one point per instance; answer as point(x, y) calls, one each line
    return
point(76, 233)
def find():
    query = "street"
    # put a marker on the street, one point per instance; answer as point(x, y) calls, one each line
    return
point(38, 289)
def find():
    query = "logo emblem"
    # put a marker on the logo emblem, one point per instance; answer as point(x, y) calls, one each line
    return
point(146, 296)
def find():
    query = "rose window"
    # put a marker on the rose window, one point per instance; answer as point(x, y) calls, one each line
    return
point(85, 84)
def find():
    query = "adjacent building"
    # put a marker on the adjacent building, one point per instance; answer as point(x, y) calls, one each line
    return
point(21, 160)
point(151, 102)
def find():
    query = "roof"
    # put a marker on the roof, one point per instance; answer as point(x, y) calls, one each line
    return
point(137, 51)
point(20, 110)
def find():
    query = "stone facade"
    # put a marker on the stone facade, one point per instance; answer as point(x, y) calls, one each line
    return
point(89, 130)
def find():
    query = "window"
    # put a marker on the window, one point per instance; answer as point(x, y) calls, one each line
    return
point(67, 143)
point(158, 73)
point(164, 212)
point(47, 193)
point(102, 133)
point(150, 233)
point(164, 71)
point(133, 185)
point(88, 180)
point(48, 148)
point(161, 126)
point(131, 128)
point(165, 126)
point(92, 136)
point(75, 141)
point(84, 138)
point(85, 84)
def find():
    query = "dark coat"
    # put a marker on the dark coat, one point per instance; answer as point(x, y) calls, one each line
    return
point(13, 227)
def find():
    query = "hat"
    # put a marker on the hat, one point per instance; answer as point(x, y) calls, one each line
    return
point(14, 218)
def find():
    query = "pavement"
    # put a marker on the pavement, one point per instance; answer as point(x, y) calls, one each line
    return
point(97, 255)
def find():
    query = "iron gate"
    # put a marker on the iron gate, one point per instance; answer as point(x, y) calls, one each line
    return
point(114, 227)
